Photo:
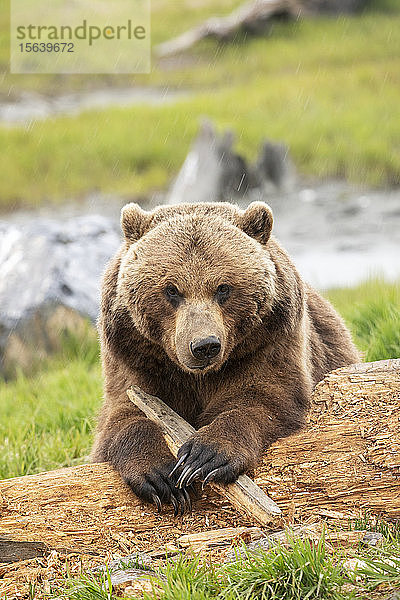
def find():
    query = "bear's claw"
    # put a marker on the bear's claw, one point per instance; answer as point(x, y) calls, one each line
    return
point(157, 487)
point(178, 464)
point(204, 462)
point(157, 502)
point(187, 498)
point(209, 478)
point(195, 475)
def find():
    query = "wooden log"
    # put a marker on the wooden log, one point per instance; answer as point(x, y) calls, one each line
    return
point(255, 538)
point(89, 509)
point(245, 495)
point(248, 17)
point(347, 460)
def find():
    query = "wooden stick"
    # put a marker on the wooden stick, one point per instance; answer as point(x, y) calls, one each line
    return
point(245, 495)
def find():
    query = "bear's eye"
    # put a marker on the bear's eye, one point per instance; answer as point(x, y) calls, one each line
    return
point(172, 294)
point(223, 292)
point(172, 291)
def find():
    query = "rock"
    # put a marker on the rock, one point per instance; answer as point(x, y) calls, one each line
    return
point(372, 538)
point(354, 566)
point(49, 282)
point(139, 561)
point(130, 575)
point(138, 588)
point(213, 171)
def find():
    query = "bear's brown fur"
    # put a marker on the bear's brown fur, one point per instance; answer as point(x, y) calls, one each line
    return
point(202, 308)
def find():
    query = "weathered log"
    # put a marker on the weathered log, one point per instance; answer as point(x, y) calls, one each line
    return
point(89, 509)
point(251, 16)
point(256, 539)
point(245, 495)
point(207, 540)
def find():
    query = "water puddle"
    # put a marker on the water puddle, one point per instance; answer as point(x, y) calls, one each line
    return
point(30, 107)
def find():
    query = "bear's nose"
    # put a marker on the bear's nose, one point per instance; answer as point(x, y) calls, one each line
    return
point(206, 348)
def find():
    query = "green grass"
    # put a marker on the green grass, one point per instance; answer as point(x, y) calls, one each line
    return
point(372, 311)
point(301, 570)
point(327, 87)
point(88, 587)
point(46, 420)
point(369, 522)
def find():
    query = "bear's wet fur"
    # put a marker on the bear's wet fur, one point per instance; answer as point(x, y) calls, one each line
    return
point(204, 309)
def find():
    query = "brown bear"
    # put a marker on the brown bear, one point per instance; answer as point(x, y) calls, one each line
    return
point(204, 309)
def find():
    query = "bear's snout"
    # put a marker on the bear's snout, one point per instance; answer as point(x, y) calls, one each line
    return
point(199, 336)
point(206, 348)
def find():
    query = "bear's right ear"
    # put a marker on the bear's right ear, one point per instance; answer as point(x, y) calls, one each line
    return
point(134, 221)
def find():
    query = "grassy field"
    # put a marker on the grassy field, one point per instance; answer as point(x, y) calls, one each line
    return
point(327, 87)
point(46, 419)
point(372, 311)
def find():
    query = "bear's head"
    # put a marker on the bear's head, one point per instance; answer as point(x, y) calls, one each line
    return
point(196, 279)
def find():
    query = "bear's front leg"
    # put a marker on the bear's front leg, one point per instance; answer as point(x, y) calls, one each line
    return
point(230, 445)
point(137, 449)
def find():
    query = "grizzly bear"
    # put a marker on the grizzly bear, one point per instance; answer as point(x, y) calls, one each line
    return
point(204, 309)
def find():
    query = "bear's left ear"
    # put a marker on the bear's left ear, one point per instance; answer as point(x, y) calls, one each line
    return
point(134, 221)
point(257, 221)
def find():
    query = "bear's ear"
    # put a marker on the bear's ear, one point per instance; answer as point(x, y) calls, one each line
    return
point(134, 221)
point(257, 221)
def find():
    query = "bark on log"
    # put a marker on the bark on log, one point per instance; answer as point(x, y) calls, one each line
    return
point(251, 16)
point(90, 510)
point(347, 460)
point(245, 495)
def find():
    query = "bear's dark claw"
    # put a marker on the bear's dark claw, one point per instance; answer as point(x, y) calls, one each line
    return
point(178, 464)
point(209, 478)
point(157, 502)
point(181, 500)
point(175, 504)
